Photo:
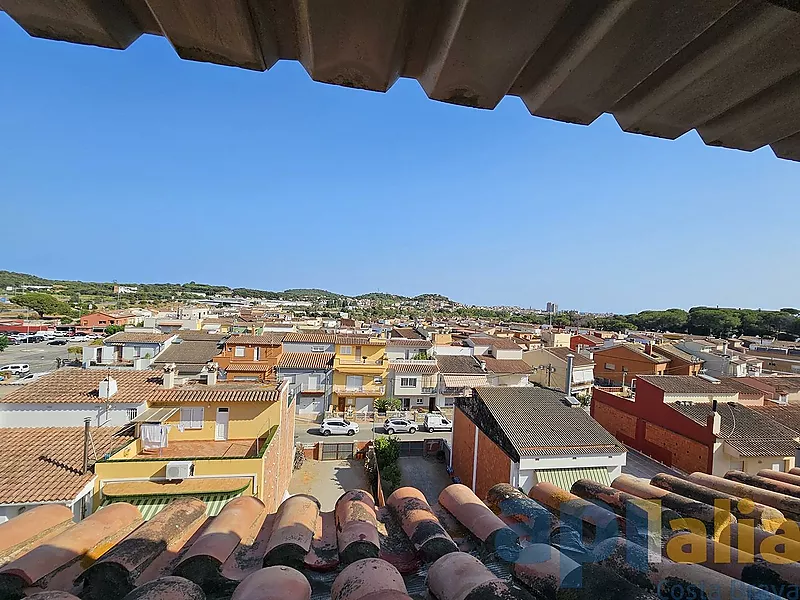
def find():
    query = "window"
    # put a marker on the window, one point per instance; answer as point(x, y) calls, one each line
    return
point(420, 400)
point(408, 382)
point(318, 349)
point(346, 350)
point(609, 366)
point(192, 418)
point(290, 378)
point(449, 401)
point(132, 412)
point(238, 351)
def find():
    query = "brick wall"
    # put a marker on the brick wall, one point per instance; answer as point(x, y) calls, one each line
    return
point(653, 427)
point(687, 455)
point(279, 459)
point(618, 423)
point(494, 466)
point(463, 446)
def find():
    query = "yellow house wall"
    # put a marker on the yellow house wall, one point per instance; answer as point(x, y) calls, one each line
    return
point(246, 420)
point(150, 469)
point(368, 352)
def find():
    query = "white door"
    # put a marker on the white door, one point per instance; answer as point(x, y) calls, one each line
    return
point(221, 429)
point(313, 381)
point(354, 382)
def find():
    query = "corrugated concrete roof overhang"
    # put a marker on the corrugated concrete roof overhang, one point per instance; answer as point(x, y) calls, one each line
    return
point(728, 68)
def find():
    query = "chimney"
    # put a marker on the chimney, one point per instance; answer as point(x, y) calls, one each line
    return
point(169, 376)
point(648, 348)
point(108, 387)
point(568, 376)
point(713, 420)
point(86, 422)
point(483, 364)
point(212, 367)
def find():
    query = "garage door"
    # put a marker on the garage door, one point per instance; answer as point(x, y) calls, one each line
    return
point(337, 451)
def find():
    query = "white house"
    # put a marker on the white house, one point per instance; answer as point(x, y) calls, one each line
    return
point(526, 435)
point(724, 362)
point(53, 457)
point(67, 396)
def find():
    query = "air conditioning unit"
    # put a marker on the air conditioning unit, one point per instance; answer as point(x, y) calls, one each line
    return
point(318, 348)
point(179, 469)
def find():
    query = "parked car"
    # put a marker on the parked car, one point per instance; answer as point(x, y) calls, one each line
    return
point(29, 378)
point(338, 427)
point(58, 342)
point(79, 338)
point(16, 368)
point(434, 421)
point(391, 426)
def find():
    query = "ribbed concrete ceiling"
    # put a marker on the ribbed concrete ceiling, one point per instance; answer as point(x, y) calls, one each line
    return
point(728, 68)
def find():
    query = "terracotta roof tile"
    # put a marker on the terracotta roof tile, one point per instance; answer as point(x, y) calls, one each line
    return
point(359, 340)
point(306, 360)
point(220, 392)
point(685, 384)
point(345, 554)
point(71, 385)
point(310, 337)
point(506, 366)
point(43, 464)
point(579, 360)
point(271, 338)
point(406, 342)
point(497, 342)
point(412, 367)
point(136, 337)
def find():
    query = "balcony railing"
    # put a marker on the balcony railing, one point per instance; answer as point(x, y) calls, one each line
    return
point(360, 361)
point(413, 361)
point(359, 390)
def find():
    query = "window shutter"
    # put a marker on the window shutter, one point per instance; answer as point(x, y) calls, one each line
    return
point(197, 418)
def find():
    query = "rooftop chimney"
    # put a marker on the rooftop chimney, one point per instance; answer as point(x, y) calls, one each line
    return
point(108, 387)
point(169, 375)
point(212, 367)
point(86, 422)
point(713, 420)
point(568, 376)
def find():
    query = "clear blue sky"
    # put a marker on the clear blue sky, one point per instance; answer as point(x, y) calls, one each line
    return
point(139, 167)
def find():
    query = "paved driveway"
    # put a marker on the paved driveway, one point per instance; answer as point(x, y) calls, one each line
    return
point(326, 480)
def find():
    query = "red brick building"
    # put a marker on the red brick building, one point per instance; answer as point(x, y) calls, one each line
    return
point(672, 419)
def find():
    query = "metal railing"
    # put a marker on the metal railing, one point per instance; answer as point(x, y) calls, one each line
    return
point(361, 361)
point(352, 390)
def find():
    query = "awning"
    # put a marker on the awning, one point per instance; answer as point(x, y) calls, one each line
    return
point(150, 506)
point(155, 415)
point(564, 478)
point(151, 497)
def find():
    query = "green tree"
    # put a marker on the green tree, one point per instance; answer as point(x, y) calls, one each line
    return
point(384, 404)
point(714, 321)
point(112, 329)
point(387, 450)
point(3, 342)
point(75, 351)
point(43, 304)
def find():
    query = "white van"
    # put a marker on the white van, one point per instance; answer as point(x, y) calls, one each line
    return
point(16, 369)
point(434, 421)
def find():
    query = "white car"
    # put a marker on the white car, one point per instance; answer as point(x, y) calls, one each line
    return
point(338, 427)
point(29, 378)
point(391, 426)
point(16, 369)
point(435, 421)
point(79, 338)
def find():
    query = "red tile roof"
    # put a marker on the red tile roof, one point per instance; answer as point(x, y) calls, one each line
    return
point(495, 365)
point(43, 464)
point(271, 338)
point(136, 337)
point(306, 361)
point(182, 555)
point(221, 392)
point(310, 337)
point(71, 385)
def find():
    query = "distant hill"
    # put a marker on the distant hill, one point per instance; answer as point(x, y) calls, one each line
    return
point(168, 291)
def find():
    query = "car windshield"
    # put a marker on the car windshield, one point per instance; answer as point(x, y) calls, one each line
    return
point(346, 422)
